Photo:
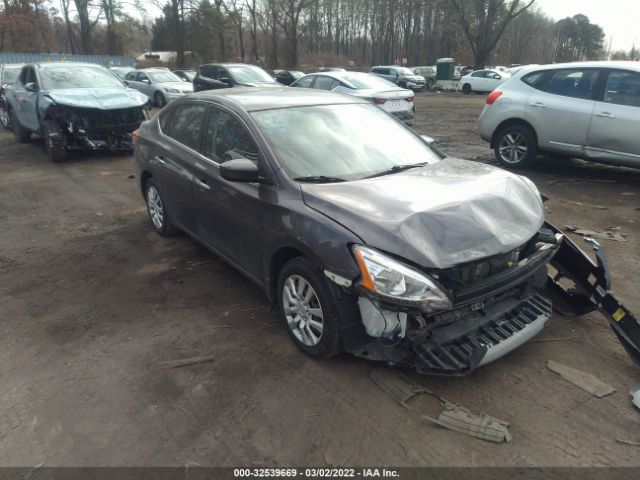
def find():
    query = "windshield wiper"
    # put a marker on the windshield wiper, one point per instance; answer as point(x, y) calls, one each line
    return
point(319, 179)
point(396, 169)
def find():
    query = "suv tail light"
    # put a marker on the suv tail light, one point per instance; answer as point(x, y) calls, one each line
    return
point(493, 96)
point(410, 99)
point(379, 101)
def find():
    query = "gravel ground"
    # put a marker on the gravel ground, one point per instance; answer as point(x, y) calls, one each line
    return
point(92, 301)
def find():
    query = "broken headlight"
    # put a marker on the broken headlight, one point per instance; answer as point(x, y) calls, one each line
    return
point(393, 281)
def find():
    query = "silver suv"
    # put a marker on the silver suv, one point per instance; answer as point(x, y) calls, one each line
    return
point(588, 110)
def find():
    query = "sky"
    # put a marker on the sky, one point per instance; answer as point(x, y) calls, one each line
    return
point(620, 19)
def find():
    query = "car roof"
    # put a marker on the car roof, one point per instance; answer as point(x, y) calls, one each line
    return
point(253, 99)
point(66, 64)
point(624, 64)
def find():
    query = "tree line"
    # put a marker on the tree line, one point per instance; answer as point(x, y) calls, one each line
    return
point(303, 33)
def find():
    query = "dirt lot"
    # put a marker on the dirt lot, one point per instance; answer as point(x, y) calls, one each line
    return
point(91, 300)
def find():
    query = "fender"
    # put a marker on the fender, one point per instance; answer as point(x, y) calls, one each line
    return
point(592, 290)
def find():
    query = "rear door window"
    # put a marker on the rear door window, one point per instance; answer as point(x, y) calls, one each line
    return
point(576, 83)
point(623, 88)
point(323, 83)
point(186, 123)
point(304, 82)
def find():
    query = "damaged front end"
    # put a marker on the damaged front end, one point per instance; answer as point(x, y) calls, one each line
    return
point(482, 310)
point(74, 128)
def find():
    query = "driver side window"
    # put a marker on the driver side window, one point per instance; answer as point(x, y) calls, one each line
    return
point(226, 138)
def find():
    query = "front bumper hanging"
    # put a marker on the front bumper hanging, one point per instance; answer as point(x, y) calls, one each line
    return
point(592, 291)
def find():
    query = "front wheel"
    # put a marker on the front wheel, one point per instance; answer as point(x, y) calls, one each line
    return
point(430, 83)
point(5, 118)
point(307, 309)
point(55, 148)
point(516, 147)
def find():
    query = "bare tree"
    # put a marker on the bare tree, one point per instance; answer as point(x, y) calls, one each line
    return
point(484, 22)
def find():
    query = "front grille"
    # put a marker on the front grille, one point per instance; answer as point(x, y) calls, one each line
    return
point(462, 355)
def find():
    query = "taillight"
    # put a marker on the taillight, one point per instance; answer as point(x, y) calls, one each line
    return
point(410, 99)
point(379, 101)
point(493, 96)
point(135, 136)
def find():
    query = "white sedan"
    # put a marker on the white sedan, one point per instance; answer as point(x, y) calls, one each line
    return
point(482, 81)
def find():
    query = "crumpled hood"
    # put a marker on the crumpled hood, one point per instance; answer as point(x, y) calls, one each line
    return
point(452, 212)
point(100, 98)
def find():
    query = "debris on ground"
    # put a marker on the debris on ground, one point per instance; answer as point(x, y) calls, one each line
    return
point(585, 381)
point(606, 235)
point(184, 362)
point(635, 395)
point(556, 339)
point(453, 416)
point(627, 442)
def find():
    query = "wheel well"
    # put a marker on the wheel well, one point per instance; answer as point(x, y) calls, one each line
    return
point(509, 123)
point(278, 260)
point(143, 181)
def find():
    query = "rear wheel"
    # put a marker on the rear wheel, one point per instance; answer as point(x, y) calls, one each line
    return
point(516, 147)
point(308, 310)
point(466, 89)
point(19, 132)
point(159, 100)
point(157, 210)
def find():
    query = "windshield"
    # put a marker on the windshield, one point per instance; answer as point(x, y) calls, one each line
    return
point(77, 76)
point(249, 74)
point(344, 141)
point(163, 77)
point(9, 75)
point(366, 81)
point(404, 71)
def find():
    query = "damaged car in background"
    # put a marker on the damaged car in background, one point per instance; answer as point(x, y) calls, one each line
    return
point(74, 106)
point(371, 240)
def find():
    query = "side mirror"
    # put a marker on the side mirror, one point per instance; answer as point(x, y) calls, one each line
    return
point(146, 80)
point(31, 87)
point(240, 170)
point(225, 80)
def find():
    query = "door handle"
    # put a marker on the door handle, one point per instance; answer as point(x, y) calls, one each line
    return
point(538, 105)
point(202, 183)
point(159, 160)
point(605, 115)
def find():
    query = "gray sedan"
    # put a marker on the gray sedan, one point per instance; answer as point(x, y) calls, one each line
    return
point(159, 84)
point(367, 239)
point(388, 96)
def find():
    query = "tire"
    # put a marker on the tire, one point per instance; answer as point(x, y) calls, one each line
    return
point(516, 147)
point(157, 210)
point(430, 83)
point(298, 275)
point(19, 132)
point(159, 100)
point(5, 117)
point(466, 89)
point(55, 150)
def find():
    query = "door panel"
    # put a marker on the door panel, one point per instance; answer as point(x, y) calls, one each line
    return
point(614, 129)
point(561, 114)
point(174, 162)
point(229, 214)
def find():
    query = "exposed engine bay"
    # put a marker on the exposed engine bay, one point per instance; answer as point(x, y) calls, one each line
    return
point(498, 304)
point(73, 128)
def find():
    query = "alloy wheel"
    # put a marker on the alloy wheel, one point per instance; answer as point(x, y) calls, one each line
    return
point(513, 148)
point(302, 310)
point(156, 209)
